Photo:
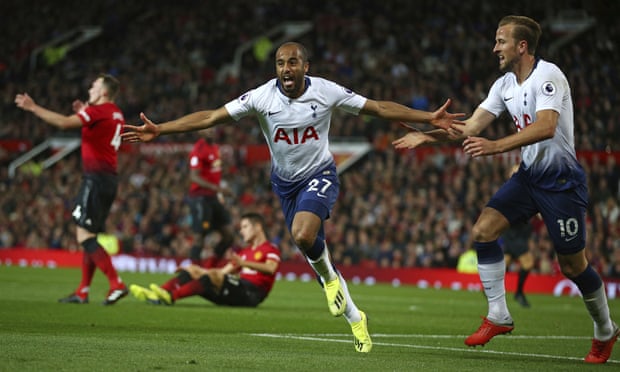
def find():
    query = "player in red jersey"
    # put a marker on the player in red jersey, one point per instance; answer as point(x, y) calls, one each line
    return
point(206, 199)
point(102, 124)
point(244, 281)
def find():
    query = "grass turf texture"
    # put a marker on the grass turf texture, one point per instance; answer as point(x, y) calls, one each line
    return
point(413, 329)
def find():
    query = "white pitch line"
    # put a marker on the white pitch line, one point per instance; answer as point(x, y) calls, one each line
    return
point(387, 335)
point(322, 337)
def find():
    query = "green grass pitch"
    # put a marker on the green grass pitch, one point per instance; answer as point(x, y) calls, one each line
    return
point(413, 330)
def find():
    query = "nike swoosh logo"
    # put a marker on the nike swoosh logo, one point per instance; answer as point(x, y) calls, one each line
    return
point(269, 113)
point(570, 238)
point(506, 99)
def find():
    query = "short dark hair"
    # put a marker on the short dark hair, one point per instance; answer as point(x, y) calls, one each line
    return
point(302, 50)
point(525, 29)
point(111, 84)
point(255, 218)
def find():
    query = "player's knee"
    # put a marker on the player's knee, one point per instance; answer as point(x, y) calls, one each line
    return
point(482, 234)
point(571, 270)
point(572, 265)
point(303, 239)
point(489, 225)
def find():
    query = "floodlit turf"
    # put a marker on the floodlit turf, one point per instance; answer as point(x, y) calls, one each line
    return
point(413, 330)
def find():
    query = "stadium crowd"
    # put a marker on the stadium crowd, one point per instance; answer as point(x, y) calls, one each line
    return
point(395, 209)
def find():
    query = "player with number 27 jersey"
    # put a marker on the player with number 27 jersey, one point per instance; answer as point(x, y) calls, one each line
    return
point(294, 112)
point(296, 131)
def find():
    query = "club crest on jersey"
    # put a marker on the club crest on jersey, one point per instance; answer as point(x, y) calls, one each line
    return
point(314, 107)
point(548, 88)
point(295, 136)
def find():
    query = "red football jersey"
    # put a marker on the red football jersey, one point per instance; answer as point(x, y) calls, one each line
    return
point(102, 126)
point(262, 253)
point(205, 157)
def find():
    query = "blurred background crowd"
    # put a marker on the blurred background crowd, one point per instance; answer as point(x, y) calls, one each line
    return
point(396, 209)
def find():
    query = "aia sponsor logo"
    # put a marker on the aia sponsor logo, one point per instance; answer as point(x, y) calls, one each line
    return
point(295, 136)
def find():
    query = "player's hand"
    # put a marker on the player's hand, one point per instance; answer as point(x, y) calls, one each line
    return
point(78, 105)
point(236, 260)
point(25, 102)
point(456, 131)
point(144, 133)
point(445, 120)
point(478, 146)
point(412, 139)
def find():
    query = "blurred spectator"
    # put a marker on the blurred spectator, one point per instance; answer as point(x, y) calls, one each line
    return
point(417, 53)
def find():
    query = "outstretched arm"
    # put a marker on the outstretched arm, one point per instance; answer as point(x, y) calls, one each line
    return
point(396, 112)
point(192, 122)
point(25, 102)
point(457, 132)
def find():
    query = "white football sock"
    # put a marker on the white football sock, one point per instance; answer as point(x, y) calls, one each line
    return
point(351, 312)
point(323, 266)
point(492, 278)
point(596, 303)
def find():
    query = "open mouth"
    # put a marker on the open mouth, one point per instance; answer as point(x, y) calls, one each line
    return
point(287, 82)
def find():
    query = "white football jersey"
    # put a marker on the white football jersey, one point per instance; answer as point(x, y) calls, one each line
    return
point(296, 129)
point(552, 163)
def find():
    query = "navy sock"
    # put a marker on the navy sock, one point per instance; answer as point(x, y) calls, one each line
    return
point(317, 249)
point(588, 281)
point(488, 252)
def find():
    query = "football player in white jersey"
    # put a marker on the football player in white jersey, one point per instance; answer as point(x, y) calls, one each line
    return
point(294, 112)
point(550, 180)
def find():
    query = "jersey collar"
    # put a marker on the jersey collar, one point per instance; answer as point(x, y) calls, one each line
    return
point(307, 85)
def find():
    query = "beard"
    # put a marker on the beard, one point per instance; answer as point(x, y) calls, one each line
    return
point(508, 65)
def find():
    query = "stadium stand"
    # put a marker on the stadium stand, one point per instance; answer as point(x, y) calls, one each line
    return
point(418, 212)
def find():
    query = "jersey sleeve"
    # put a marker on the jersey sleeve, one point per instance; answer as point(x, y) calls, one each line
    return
point(89, 115)
point(345, 99)
point(242, 106)
point(273, 253)
point(550, 91)
point(194, 161)
point(194, 156)
point(494, 101)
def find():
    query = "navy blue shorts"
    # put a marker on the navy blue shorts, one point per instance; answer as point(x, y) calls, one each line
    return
point(316, 194)
point(564, 212)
